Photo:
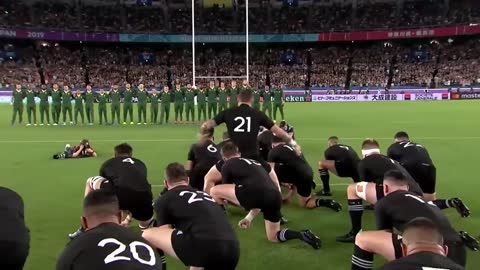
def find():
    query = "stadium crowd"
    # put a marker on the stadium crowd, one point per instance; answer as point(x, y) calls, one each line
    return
point(264, 16)
point(380, 64)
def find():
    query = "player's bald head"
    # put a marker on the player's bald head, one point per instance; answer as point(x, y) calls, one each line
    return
point(245, 96)
point(421, 231)
point(175, 173)
point(229, 150)
point(100, 204)
point(401, 136)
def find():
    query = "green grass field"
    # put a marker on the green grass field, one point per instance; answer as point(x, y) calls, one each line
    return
point(52, 189)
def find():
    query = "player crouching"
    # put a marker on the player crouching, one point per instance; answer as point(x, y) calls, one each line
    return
point(250, 186)
point(202, 237)
point(83, 150)
point(294, 169)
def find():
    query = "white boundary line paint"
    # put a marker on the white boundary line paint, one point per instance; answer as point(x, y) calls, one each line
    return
point(193, 139)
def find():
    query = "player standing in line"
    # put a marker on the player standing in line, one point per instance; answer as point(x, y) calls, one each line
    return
point(142, 96)
point(44, 106)
point(165, 98)
point(56, 104)
point(256, 98)
point(267, 101)
point(212, 94)
point(115, 97)
point(102, 106)
point(79, 107)
point(105, 239)
point(396, 209)
point(201, 103)
point(371, 171)
point(294, 169)
point(233, 92)
point(17, 101)
point(201, 157)
point(416, 160)
point(422, 248)
point(128, 103)
point(14, 234)
point(192, 227)
point(248, 185)
point(127, 177)
point(67, 105)
point(222, 97)
point(190, 103)
point(154, 97)
point(31, 105)
point(341, 160)
point(178, 97)
point(278, 102)
point(89, 105)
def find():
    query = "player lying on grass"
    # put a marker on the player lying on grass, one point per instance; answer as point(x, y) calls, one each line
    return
point(106, 245)
point(83, 150)
point(192, 228)
point(416, 160)
point(293, 169)
point(341, 160)
point(201, 157)
point(248, 185)
point(14, 234)
point(423, 248)
point(126, 176)
point(371, 171)
point(396, 209)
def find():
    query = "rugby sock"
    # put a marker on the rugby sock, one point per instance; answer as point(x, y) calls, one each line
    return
point(325, 177)
point(443, 203)
point(286, 234)
point(355, 209)
point(361, 259)
point(322, 202)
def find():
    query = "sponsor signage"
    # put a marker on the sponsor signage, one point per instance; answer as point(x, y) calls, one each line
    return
point(357, 97)
point(465, 96)
point(298, 98)
point(426, 96)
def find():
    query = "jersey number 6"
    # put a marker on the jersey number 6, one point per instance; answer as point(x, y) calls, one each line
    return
point(113, 257)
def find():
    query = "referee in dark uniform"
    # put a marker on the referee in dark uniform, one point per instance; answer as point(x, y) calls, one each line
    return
point(192, 226)
point(14, 234)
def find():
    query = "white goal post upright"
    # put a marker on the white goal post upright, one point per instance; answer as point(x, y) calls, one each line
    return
point(247, 53)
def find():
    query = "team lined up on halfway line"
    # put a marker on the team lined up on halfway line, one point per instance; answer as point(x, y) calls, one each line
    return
point(214, 98)
point(247, 170)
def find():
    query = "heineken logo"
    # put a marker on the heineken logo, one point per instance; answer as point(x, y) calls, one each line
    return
point(298, 98)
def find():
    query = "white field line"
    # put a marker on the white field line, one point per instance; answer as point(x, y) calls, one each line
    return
point(93, 140)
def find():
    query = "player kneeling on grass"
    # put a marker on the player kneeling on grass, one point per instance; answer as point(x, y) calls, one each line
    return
point(422, 248)
point(83, 150)
point(341, 160)
point(126, 176)
point(394, 211)
point(293, 169)
point(202, 237)
point(249, 185)
point(106, 245)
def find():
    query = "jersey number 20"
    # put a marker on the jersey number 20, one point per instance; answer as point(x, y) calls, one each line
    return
point(243, 121)
point(114, 256)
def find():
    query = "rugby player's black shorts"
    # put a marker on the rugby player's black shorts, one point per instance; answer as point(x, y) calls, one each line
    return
point(302, 181)
point(14, 254)
point(138, 203)
point(425, 175)
point(211, 254)
point(456, 250)
point(347, 169)
point(267, 199)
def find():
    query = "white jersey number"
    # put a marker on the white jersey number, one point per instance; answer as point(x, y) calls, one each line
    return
point(344, 147)
point(419, 199)
point(251, 161)
point(193, 196)
point(243, 121)
point(114, 256)
point(128, 160)
point(409, 144)
point(212, 148)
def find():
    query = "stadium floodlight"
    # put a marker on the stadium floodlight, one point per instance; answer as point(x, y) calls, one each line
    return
point(247, 50)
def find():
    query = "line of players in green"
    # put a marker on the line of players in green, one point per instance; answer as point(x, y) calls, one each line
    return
point(212, 99)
